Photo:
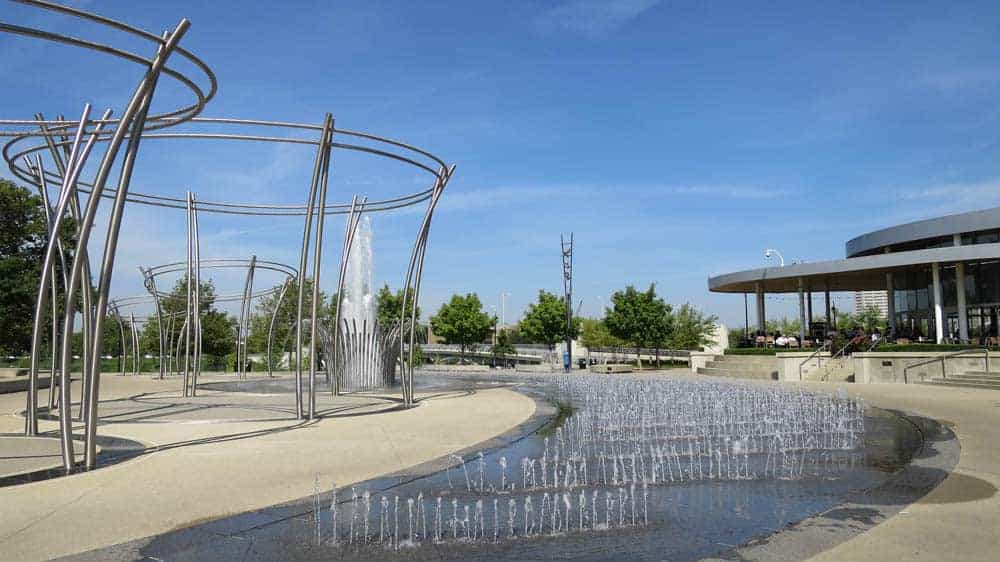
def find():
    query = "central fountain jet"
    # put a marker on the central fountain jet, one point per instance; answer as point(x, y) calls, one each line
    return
point(368, 349)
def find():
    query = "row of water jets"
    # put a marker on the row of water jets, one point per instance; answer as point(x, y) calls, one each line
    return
point(378, 521)
point(595, 472)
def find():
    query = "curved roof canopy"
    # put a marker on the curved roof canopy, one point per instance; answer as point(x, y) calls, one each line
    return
point(947, 225)
point(866, 273)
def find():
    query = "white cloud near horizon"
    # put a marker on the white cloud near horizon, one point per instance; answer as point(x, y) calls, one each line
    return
point(592, 17)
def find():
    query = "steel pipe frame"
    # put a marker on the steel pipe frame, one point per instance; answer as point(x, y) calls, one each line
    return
point(49, 220)
point(132, 118)
point(76, 160)
point(161, 120)
point(414, 276)
point(325, 150)
point(150, 283)
point(274, 319)
point(196, 247)
point(86, 286)
point(187, 307)
point(243, 328)
point(131, 126)
point(350, 229)
point(303, 263)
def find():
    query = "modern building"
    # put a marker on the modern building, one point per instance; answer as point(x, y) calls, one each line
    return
point(863, 300)
point(941, 276)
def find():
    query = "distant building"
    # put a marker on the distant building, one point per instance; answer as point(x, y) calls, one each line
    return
point(863, 300)
point(942, 276)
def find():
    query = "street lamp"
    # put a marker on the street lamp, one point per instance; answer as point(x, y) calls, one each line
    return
point(503, 308)
point(772, 252)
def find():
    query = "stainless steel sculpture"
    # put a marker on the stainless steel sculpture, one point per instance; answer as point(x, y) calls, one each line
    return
point(69, 143)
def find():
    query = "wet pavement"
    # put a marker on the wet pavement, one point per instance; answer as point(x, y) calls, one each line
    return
point(682, 521)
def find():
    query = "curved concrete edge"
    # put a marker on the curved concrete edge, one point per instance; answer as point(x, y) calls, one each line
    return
point(937, 457)
point(544, 414)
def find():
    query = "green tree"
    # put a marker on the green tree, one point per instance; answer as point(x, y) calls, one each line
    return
point(545, 320)
point(284, 325)
point(22, 250)
point(218, 329)
point(640, 318)
point(691, 329)
point(389, 305)
point(462, 321)
point(595, 333)
point(503, 347)
point(871, 318)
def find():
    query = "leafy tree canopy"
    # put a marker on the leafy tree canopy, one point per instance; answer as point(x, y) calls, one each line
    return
point(640, 318)
point(22, 249)
point(545, 320)
point(462, 321)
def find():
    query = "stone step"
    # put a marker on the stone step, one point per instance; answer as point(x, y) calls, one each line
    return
point(963, 384)
point(974, 378)
point(991, 374)
point(742, 368)
point(738, 373)
point(746, 358)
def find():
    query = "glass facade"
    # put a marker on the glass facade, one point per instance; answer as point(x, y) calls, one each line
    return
point(914, 300)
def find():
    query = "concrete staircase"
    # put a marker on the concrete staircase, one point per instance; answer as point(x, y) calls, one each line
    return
point(969, 379)
point(763, 367)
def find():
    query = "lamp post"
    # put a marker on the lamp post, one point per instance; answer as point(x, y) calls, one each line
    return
point(772, 252)
point(503, 308)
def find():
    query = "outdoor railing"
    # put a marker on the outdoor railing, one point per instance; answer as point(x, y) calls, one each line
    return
point(944, 357)
point(814, 355)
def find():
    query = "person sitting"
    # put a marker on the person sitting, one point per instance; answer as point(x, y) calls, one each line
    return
point(791, 341)
point(780, 341)
point(876, 336)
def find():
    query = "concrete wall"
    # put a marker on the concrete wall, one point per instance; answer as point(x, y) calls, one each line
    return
point(700, 359)
point(885, 367)
point(789, 361)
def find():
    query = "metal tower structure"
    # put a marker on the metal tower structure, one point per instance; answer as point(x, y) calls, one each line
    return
point(567, 262)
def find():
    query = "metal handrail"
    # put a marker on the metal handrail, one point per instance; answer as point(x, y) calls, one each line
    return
point(819, 350)
point(942, 358)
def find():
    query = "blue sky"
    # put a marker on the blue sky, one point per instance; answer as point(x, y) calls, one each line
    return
point(677, 140)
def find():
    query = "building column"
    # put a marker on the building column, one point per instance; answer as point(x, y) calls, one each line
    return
point(938, 312)
point(963, 312)
point(826, 295)
point(761, 325)
point(890, 294)
point(802, 312)
point(809, 308)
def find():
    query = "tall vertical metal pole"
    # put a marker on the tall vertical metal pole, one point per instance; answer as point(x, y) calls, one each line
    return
point(132, 121)
point(353, 219)
point(567, 261)
point(317, 260)
point(31, 411)
point(274, 319)
point(189, 278)
point(303, 262)
point(198, 335)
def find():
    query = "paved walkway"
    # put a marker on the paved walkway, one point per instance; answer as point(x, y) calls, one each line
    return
point(208, 470)
point(959, 519)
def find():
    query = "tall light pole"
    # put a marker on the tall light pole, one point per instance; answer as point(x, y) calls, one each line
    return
point(493, 307)
point(503, 308)
point(772, 252)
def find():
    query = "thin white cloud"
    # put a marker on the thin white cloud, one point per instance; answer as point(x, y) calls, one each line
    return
point(592, 17)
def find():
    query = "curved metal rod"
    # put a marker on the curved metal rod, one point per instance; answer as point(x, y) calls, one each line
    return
point(242, 331)
point(325, 150)
point(86, 285)
point(196, 248)
point(150, 283)
point(134, 115)
point(303, 262)
point(31, 414)
point(274, 319)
